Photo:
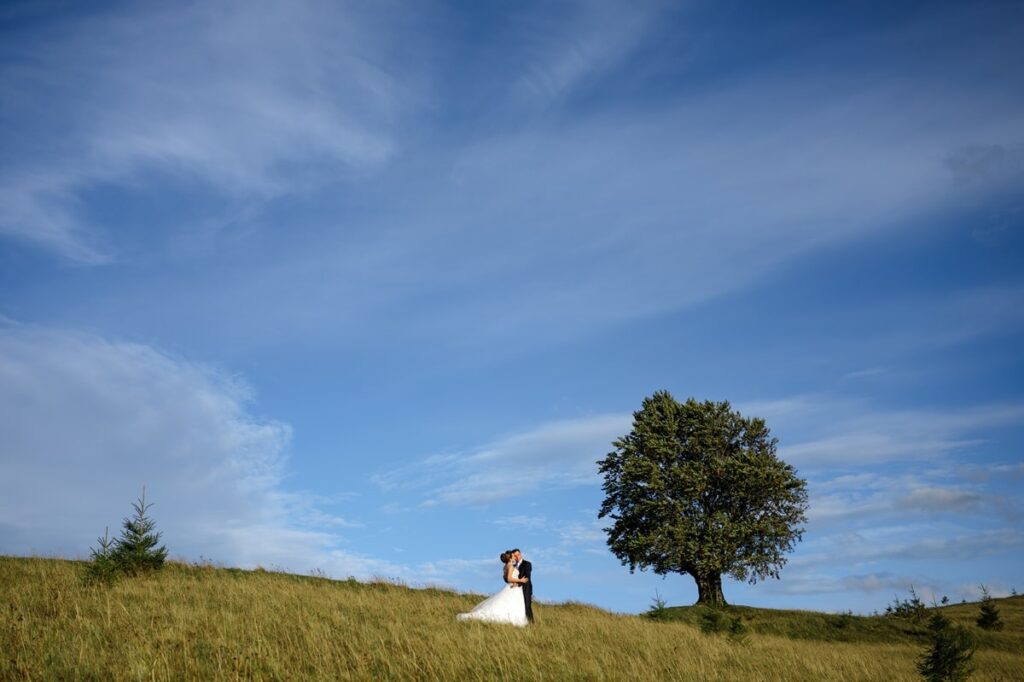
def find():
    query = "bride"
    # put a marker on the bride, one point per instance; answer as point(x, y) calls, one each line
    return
point(507, 605)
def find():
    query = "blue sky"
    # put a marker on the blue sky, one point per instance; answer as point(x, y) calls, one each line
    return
point(369, 287)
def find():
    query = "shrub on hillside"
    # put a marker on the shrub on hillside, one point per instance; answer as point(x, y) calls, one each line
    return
point(841, 621)
point(912, 609)
point(135, 552)
point(713, 621)
point(948, 656)
point(989, 618)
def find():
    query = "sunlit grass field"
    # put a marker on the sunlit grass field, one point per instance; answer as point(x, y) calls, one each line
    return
point(201, 622)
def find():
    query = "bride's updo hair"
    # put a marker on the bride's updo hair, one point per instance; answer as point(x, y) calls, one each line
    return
point(504, 557)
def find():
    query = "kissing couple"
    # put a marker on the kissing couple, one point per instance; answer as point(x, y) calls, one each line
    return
point(513, 603)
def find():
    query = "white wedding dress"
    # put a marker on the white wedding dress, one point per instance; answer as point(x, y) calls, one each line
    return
point(506, 606)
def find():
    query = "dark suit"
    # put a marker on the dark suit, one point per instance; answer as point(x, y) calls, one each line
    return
point(526, 571)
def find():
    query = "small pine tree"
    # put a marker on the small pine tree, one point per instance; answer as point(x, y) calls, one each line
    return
point(989, 618)
point(659, 607)
point(948, 656)
point(136, 550)
point(102, 568)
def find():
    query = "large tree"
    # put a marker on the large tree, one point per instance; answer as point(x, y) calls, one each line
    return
point(697, 488)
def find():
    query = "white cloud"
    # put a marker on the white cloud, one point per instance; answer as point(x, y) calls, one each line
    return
point(912, 542)
point(973, 592)
point(952, 318)
point(559, 454)
point(249, 102)
point(937, 499)
point(824, 432)
point(531, 233)
point(564, 52)
point(522, 521)
point(897, 568)
point(85, 423)
point(872, 498)
point(871, 582)
point(1013, 471)
point(840, 433)
point(449, 572)
point(582, 533)
point(864, 373)
point(530, 227)
point(853, 562)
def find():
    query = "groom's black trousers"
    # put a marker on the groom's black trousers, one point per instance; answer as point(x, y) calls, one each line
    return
point(526, 571)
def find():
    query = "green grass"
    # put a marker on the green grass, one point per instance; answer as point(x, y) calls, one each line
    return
point(826, 627)
point(200, 622)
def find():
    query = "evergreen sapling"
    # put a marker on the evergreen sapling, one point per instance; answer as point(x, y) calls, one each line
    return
point(135, 552)
point(989, 618)
point(102, 567)
point(948, 657)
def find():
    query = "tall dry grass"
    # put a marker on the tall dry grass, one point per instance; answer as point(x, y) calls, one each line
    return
point(196, 622)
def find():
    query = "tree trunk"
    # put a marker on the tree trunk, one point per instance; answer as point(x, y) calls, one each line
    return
point(709, 590)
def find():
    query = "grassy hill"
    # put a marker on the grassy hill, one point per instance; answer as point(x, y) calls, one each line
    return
point(828, 627)
point(200, 622)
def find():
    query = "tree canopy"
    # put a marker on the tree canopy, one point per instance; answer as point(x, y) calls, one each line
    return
point(697, 488)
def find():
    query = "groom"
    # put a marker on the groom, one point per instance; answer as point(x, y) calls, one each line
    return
point(525, 571)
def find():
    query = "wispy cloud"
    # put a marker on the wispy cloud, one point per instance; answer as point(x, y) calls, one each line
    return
point(909, 543)
point(892, 489)
point(526, 231)
point(904, 496)
point(863, 583)
point(562, 52)
point(939, 499)
point(556, 455)
point(940, 321)
point(872, 467)
point(841, 568)
point(829, 432)
point(563, 454)
point(526, 224)
point(249, 104)
point(522, 521)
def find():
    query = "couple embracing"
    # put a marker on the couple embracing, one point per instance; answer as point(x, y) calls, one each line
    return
point(513, 603)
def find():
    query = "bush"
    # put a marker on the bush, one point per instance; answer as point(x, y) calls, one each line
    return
point(736, 630)
point(841, 621)
point(713, 621)
point(948, 656)
point(989, 618)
